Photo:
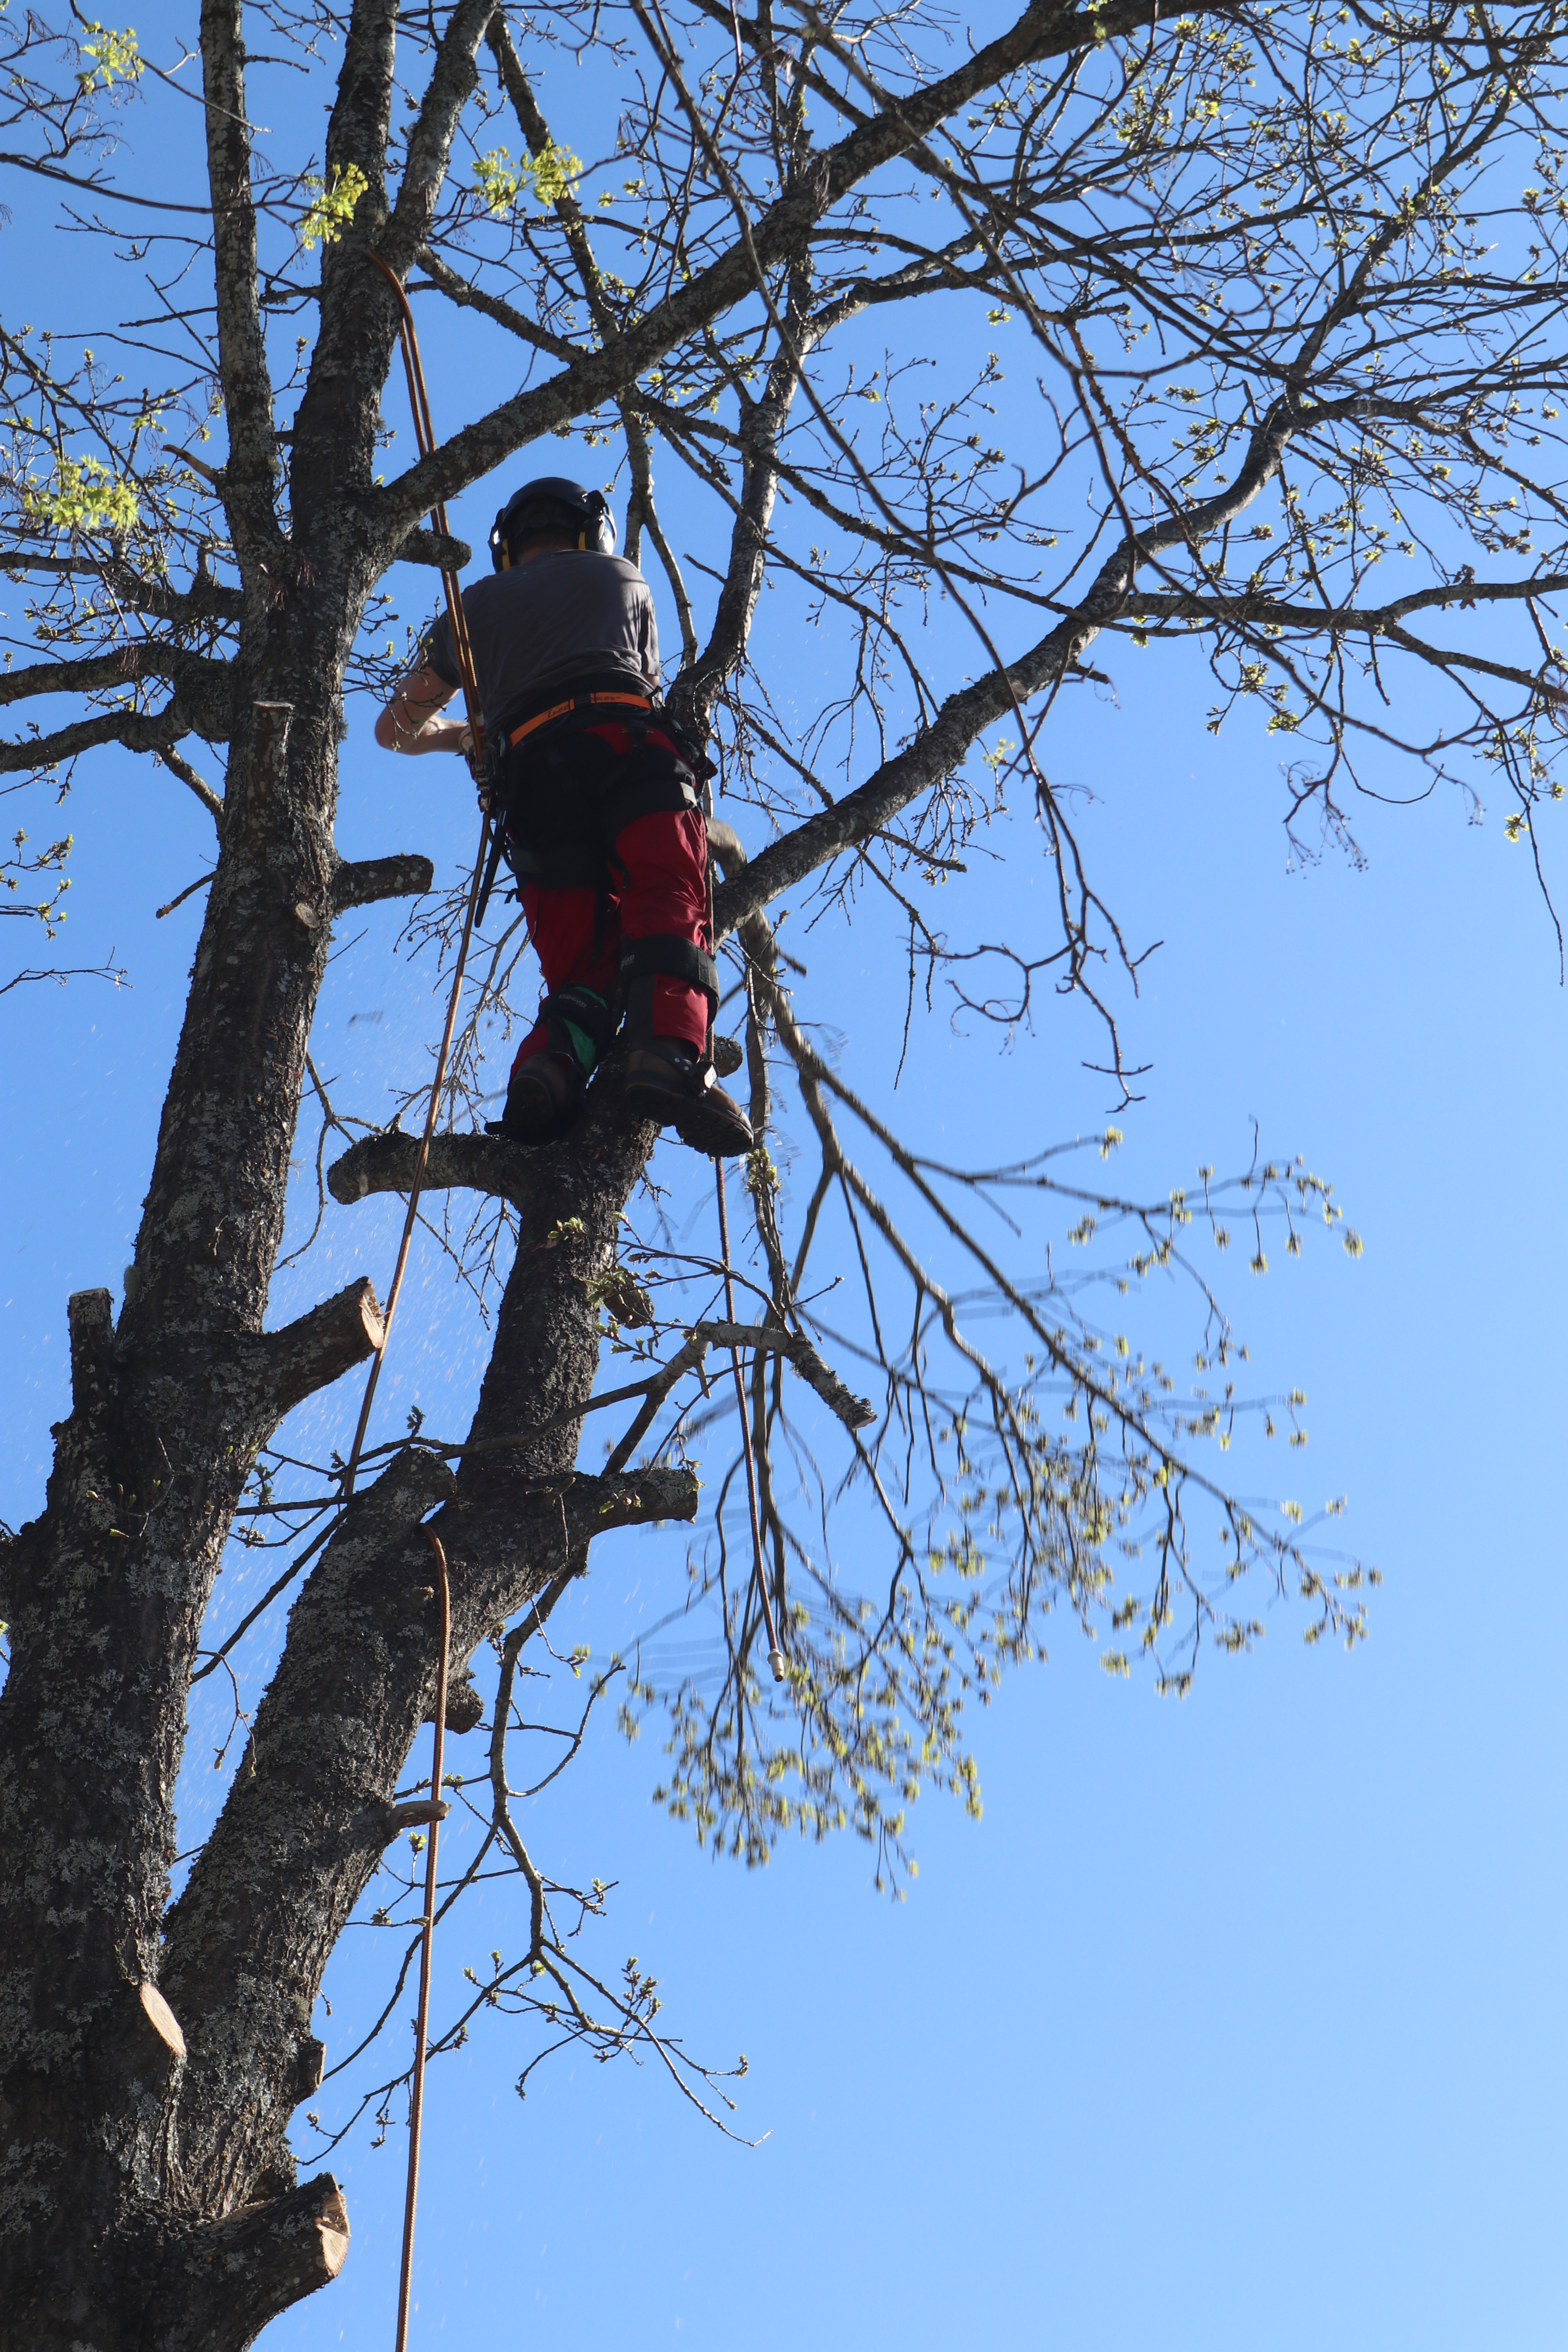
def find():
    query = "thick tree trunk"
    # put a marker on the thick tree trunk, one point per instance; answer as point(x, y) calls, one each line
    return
point(108, 1589)
point(146, 2197)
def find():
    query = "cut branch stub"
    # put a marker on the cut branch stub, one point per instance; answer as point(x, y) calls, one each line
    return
point(408, 875)
point(317, 1350)
point(89, 1319)
point(437, 548)
point(465, 1705)
point(417, 1815)
point(163, 2021)
point(220, 2286)
point(725, 843)
point(311, 2066)
point(636, 1498)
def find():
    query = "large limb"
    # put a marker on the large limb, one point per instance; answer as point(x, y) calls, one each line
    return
point(168, 1412)
point(242, 347)
point(205, 599)
point(935, 755)
point(200, 704)
point(762, 427)
point(338, 418)
point(306, 1820)
point(201, 685)
point(334, 425)
point(451, 85)
point(1250, 612)
point(153, 731)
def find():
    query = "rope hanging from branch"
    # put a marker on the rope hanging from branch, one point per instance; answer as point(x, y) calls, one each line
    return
point(425, 435)
point(427, 1945)
point(424, 431)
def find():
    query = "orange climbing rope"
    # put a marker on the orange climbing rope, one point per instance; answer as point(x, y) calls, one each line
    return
point(424, 434)
point(427, 1939)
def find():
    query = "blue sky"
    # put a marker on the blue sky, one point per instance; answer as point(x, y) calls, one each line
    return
point(1235, 2021)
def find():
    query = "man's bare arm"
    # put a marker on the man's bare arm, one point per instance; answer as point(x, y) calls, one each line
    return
point(410, 722)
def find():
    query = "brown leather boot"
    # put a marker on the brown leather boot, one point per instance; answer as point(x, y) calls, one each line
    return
point(668, 1080)
point(541, 1096)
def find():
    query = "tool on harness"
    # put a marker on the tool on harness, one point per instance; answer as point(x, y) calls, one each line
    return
point(492, 867)
point(552, 503)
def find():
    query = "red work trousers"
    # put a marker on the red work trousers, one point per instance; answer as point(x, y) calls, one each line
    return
point(661, 887)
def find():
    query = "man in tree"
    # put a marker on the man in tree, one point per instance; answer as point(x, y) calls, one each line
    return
point(1280, 326)
point(600, 813)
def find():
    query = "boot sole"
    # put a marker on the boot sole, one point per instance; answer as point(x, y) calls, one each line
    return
point(720, 1131)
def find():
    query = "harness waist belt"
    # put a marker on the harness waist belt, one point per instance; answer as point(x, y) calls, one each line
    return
point(577, 702)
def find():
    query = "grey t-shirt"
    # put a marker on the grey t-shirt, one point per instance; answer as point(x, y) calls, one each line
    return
point(565, 615)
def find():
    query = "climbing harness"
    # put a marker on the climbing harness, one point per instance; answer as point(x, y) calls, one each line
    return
point(570, 864)
point(575, 702)
point(562, 803)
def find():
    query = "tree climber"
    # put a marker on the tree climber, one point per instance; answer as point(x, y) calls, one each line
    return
point(600, 818)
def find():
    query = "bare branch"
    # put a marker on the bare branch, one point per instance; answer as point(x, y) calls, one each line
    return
point(783, 230)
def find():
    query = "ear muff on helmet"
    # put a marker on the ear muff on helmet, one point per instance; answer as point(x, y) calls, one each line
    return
point(553, 503)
